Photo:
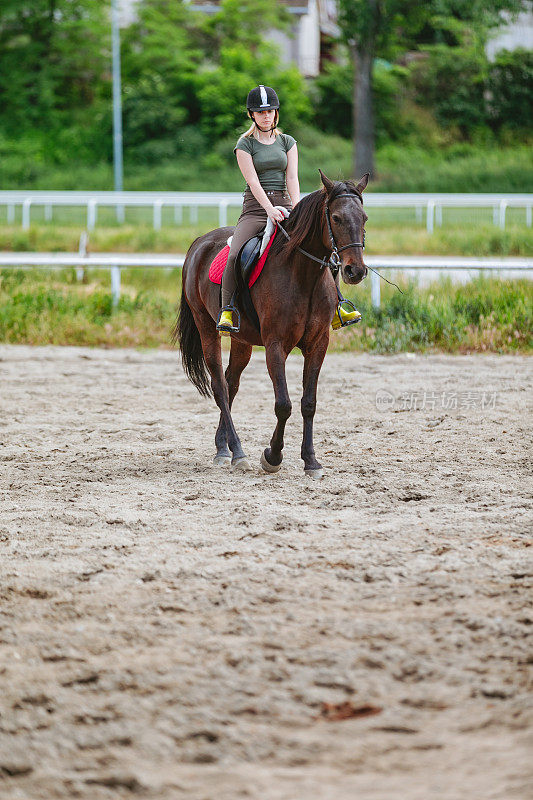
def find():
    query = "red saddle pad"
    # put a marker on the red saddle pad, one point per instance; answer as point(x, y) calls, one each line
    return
point(220, 260)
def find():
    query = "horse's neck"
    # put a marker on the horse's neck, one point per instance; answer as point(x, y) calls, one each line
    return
point(313, 243)
point(301, 270)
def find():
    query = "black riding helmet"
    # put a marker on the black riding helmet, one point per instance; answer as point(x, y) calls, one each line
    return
point(262, 98)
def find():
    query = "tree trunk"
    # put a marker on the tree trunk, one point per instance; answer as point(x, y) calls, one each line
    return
point(363, 110)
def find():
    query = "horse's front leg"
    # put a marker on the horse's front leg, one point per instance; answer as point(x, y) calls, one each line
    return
point(312, 365)
point(239, 357)
point(275, 358)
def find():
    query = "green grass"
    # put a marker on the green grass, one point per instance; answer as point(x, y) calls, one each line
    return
point(50, 307)
point(389, 232)
point(486, 314)
point(461, 167)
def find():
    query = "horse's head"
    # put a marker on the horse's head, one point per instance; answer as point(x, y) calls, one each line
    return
point(346, 228)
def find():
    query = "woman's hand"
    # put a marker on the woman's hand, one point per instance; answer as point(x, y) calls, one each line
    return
point(275, 215)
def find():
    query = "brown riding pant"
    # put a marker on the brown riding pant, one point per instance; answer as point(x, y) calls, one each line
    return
point(251, 222)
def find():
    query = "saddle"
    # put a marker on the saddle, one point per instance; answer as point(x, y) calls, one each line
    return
point(253, 249)
point(245, 262)
point(249, 256)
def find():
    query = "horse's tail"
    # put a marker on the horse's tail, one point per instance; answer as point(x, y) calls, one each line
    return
point(186, 334)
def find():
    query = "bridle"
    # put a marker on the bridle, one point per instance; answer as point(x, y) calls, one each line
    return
point(333, 260)
point(334, 257)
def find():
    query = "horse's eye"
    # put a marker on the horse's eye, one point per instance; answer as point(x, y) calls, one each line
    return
point(336, 218)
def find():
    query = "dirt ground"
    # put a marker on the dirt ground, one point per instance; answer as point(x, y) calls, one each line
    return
point(169, 629)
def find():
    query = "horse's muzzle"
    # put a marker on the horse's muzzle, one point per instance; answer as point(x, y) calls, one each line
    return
point(354, 273)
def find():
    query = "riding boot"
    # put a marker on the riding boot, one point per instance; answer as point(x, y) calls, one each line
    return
point(225, 319)
point(345, 313)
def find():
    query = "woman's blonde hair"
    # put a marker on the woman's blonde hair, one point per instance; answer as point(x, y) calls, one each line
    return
point(276, 131)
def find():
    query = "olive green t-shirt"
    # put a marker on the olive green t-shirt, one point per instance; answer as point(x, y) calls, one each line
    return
point(270, 160)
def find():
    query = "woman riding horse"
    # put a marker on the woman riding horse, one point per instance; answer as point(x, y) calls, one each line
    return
point(268, 160)
point(295, 300)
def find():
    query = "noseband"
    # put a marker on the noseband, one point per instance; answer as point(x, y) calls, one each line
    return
point(333, 261)
point(334, 257)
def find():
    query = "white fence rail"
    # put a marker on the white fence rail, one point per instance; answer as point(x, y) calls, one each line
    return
point(433, 204)
point(522, 267)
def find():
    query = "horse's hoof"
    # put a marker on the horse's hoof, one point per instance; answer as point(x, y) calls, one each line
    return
point(222, 461)
point(269, 467)
point(241, 464)
point(316, 474)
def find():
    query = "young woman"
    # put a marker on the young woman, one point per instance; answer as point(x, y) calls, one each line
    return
point(268, 160)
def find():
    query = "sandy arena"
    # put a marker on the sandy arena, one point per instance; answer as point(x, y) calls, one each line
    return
point(169, 630)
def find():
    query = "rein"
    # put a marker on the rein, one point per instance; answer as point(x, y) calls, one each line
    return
point(322, 261)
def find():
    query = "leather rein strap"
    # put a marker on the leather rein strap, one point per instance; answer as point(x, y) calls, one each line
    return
point(333, 260)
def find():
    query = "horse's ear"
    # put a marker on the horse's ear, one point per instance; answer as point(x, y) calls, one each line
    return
point(361, 186)
point(328, 185)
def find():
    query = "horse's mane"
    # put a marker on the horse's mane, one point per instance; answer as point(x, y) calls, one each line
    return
point(308, 217)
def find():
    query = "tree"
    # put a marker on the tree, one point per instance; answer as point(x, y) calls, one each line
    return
point(510, 80)
point(243, 22)
point(222, 90)
point(386, 27)
point(161, 57)
point(52, 55)
point(186, 74)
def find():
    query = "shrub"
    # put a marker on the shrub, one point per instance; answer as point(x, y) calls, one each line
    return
point(510, 99)
point(452, 82)
point(389, 101)
point(332, 96)
point(150, 117)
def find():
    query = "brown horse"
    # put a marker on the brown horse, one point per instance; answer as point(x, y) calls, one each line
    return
point(295, 299)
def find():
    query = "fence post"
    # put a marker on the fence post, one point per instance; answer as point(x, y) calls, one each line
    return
point(115, 284)
point(91, 214)
point(119, 210)
point(430, 216)
point(82, 250)
point(375, 289)
point(528, 216)
point(503, 206)
point(158, 204)
point(48, 212)
point(26, 207)
point(223, 213)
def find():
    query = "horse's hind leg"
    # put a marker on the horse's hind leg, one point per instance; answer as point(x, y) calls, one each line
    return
point(276, 357)
point(312, 365)
point(239, 358)
point(213, 359)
